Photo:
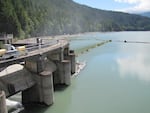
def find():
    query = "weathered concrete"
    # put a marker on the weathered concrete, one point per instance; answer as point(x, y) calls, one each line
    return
point(40, 64)
point(71, 58)
point(70, 55)
point(3, 108)
point(63, 72)
point(43, 90)
point(73, 62)
point(34, 52)
point(43, 68)
point(56, 55)
point(14, 81)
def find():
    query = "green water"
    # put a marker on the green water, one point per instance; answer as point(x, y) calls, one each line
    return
point(115, 80)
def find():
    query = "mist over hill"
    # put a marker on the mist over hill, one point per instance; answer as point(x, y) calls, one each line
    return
point(146, 14)
point(26, 18)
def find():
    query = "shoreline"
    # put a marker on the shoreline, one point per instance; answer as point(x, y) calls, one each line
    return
point(66, 36)
point(69, 35)
point(85, 33)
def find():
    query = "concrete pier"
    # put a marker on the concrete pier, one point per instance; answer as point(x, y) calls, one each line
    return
point(42, 91)
point(71, 57)
point(73, 61)
point(3, 108)
point(63, 72)
point(44, 66)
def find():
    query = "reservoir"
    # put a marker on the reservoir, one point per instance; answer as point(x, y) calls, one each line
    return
point(116, 78)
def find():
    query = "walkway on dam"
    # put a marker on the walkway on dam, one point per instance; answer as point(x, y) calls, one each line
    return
point(36, 49)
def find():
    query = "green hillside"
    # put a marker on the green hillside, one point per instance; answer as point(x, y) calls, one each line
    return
point(26, 18)
point(147, 14)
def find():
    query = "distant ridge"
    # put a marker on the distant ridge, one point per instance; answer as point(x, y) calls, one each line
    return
point(146, 14)
point(26, 18)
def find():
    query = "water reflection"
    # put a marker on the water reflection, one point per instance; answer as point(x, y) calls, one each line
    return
point(136, 64)
point(98, 89)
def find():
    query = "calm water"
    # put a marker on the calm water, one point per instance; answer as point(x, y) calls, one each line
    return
point(115, 80)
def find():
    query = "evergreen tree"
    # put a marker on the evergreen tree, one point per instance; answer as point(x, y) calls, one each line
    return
point(26, 18)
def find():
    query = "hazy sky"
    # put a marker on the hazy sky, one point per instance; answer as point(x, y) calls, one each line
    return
point(119, 5)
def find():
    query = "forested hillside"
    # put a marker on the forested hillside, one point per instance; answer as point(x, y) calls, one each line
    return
point(26, 18)
point(147, 14)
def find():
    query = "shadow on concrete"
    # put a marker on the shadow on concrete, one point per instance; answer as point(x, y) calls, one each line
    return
point(35, 108)
point(60, 87)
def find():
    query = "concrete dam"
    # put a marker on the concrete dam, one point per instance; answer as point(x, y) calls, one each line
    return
point(47, 63)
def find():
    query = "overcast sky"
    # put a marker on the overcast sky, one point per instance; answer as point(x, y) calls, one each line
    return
point(131, 6)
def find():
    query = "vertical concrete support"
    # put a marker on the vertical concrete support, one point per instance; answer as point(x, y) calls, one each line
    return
point(57, 55)
point(61, 56)
point(47, 89)
point(66, 51)
point(71, 57)
point(73, 61)
point(3, 107)
point(42, 92)
point(63, 72)
point(35, 65)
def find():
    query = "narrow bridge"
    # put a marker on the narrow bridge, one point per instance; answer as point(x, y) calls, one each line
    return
point(47, 63)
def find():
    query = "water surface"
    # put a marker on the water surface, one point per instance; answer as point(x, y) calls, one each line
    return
point(115, 80)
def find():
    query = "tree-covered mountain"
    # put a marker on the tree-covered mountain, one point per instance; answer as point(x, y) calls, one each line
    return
point(25, 18)
point(147, 14)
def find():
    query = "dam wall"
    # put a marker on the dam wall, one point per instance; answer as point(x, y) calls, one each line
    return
point(38, 75)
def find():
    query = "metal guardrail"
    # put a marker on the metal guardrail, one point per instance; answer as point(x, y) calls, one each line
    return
point(30, 48)
point(34, 49)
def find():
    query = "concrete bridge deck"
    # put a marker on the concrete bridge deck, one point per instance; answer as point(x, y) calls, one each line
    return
point(35, 51)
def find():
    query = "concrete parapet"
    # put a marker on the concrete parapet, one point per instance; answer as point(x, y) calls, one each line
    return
point(63, 72)
point(3, 107)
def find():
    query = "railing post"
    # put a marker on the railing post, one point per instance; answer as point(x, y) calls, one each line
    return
point(39, 42)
